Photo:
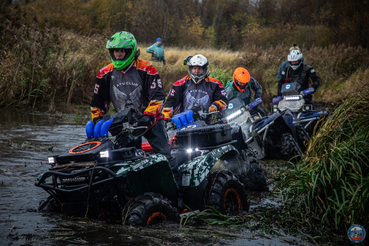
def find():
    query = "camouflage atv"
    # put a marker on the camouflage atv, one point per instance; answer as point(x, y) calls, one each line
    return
point(104, 178)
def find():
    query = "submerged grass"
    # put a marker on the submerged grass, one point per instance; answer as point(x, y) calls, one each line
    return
point(212, 216)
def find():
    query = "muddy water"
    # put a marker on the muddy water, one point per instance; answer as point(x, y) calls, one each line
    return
point(26, 139)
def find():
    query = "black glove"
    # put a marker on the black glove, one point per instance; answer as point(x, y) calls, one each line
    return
point(145, 120)
point(164, 62)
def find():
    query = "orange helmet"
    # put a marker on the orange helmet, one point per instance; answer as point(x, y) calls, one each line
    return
point(241, 77)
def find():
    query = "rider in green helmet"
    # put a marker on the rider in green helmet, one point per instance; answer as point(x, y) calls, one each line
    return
point(126, 41)
point(132, 83)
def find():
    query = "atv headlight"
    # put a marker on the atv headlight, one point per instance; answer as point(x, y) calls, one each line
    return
point(308, 107)
point(192, 150)
point(104, 154)
point(51, 159)
point(275, 108)
point(234, 115)
point(292, 98)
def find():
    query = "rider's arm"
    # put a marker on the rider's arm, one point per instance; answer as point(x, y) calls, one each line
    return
point(281, 82)
point(153, 87)
point(175, 97)
point(219, 95)
point(281, 69)
point(229, 90)
point(101, 98)
point(314, 78)
point(257, 88)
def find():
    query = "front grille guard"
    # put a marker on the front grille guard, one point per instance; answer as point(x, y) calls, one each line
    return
point(78, 185)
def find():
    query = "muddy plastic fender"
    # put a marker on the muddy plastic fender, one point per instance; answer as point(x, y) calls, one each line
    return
point(97, 128)
point(105, 127)
point(89, 129)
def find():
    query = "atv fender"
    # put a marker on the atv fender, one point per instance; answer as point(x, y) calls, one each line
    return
point(152, 174)
point(193, 172)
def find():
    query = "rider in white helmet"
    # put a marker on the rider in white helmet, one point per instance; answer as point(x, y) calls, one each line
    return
point(195, 89)
point(298, 71)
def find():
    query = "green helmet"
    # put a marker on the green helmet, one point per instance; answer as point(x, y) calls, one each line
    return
point(122, 40)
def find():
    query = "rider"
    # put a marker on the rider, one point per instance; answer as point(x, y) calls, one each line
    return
point(129, 82)
point(241, 86)
point(195, 89)
point(298, 71)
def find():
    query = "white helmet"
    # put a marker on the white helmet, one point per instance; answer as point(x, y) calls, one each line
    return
point(295, 55)
point(201, 61)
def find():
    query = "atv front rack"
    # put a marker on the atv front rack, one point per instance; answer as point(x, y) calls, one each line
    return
point(78, 186)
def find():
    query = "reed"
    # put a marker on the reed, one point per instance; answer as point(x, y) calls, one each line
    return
point(332, 182)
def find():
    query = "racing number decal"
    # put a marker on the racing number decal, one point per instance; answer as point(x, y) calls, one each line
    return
point(158, 82)
point(96, 89)
point(160, 85)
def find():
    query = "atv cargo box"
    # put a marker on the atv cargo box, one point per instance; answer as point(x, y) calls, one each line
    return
point(205, 136)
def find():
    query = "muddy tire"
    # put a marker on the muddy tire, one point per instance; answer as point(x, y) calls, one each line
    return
point(288, 148)
point(49, 205)
point(253, 179)
point(226, 193)
point(303, 138)
point(148, 209)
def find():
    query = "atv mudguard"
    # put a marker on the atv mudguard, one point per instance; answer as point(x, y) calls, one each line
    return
point(152, 174)
point(196, 172)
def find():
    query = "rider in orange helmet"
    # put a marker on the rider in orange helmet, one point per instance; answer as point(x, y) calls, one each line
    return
point(241, 86)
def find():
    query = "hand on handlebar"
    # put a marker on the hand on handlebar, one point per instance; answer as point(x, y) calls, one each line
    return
point(145, 120)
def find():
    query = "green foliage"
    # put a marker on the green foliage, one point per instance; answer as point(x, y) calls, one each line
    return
point(331, 183)
point(223, 75)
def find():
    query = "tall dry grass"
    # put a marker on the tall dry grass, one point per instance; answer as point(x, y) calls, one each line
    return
point(56, 67)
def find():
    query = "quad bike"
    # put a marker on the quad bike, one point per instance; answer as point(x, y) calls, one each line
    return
point(269, 137)
point(305, 117)
point(105, 177)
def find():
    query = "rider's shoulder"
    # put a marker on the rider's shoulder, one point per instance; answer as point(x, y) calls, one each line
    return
point(105, 70)
point(145, 66)
point(213, 80)
point(182, 81)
